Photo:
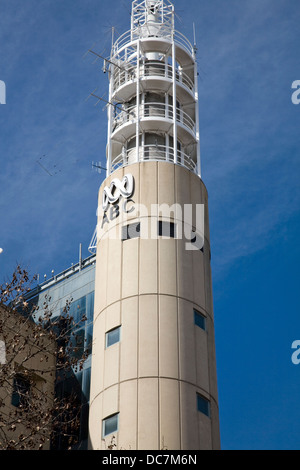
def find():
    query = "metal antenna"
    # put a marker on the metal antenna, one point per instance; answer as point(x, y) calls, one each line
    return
point(98, 167)
point(42, 166)
point(178, 17)
point(112, 36)
point(99, 98)
point(126, 7)
point(91, 50)
point(46, 169)
point(195, 46)
point(105, 59)
point(115, 105)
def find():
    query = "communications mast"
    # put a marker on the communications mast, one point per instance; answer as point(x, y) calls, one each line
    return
point(153, 379)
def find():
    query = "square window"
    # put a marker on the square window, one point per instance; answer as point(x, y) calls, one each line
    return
point(112, 336)
point(203, 405)
point(166, 229)
point(200, 320)
point(131, 231)
point(110, 425)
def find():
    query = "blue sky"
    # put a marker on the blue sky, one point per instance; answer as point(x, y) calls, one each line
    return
point(248, 55)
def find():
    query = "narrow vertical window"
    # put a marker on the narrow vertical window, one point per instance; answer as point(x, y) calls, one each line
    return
point(200, 320)
point(21, 392)
point(166, 229)
point(203, 405)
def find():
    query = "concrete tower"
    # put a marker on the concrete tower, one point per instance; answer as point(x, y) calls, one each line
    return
point(153, 380)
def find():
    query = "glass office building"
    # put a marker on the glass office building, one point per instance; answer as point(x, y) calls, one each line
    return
point(75, 287)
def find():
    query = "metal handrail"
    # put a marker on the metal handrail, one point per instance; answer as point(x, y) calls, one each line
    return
point(155, 110)
point(165, 32)
point(155, 153)
point(148, 70)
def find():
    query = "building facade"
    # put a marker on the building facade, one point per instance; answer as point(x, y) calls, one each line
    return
point(27, 381)
point(153, 376)
point(73, 288)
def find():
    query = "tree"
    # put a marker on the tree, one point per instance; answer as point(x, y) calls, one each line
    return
point(37, 349)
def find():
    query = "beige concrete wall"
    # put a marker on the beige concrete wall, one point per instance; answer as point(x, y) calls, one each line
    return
point(29, 353)
point(150, 287)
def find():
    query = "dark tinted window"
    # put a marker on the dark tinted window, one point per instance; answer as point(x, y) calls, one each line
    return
point(131, 231)
point(166, 229)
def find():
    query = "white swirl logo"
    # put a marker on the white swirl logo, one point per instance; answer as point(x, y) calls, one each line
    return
point(117, 189)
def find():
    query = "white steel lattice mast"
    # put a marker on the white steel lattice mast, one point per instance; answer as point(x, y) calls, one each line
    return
point(153, 88)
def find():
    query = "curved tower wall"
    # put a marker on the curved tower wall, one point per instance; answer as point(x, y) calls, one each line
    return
point(151, 287)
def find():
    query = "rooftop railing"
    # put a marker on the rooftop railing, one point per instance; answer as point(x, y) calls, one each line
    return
point(153, 152)
point(151, 69)
point(152, 110)
point(160, 31)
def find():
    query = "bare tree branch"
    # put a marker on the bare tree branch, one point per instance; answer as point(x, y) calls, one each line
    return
point(38, 350)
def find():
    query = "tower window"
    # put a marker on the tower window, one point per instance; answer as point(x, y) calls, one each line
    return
point(203, 405)
point(21, 392)
point(112, 336)
point(166, 229)
point(110, 424)
point(200, 320)
point(131, 231)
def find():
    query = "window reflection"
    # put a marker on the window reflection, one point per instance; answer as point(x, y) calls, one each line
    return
point(78, 379)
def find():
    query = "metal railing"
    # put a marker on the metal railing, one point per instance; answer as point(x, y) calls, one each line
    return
point(153, 152)
point(152, 110)
point(151, 69)
point(143, 32)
